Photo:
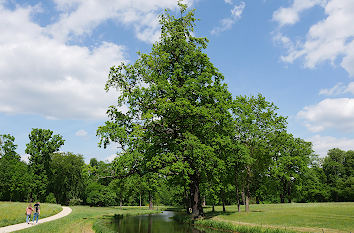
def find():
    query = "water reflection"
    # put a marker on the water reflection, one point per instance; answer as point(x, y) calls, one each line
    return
point(153, 223)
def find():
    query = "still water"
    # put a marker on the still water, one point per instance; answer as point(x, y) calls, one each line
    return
point(153, 223)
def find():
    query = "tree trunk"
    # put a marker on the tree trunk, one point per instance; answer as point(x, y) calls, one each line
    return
point(213, 209)
point(289, 192)
point(121, 204)
point(248, 194)
point(197, 209)
point(223, 205)
point(283, 194)
point(247, 204)
point(151, 206)
point(140, 200)
point(237, 198)
point(204, 203)
point(187, 201)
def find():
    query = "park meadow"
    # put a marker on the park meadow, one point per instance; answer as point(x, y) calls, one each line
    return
point(184, 142)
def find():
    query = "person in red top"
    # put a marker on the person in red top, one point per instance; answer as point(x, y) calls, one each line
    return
point(29, 210)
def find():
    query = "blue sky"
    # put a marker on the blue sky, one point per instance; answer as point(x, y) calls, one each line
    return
point(55, 57)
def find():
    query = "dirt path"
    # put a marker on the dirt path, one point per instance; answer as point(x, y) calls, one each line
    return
point(66, 211)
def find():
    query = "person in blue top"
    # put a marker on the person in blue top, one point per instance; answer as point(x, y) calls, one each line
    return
point(37, 211)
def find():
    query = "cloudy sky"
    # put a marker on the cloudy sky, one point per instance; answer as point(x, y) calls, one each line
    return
point(55, 56)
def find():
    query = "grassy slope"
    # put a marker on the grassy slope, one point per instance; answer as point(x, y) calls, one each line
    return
point(331, 217)
point(82, 218)
point(14, 212)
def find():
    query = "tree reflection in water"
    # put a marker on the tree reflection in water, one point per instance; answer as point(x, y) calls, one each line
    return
point(152, 223)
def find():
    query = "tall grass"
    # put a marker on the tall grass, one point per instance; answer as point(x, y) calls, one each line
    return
point(224, 226)
point(14, 212)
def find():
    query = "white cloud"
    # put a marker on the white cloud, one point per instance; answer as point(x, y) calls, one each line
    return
point(41, 73)
point(111, 157)
point(290, 15)
point(338, 89)
point(329, 114)
point(321, 144)
point(226, 23)
point(80, 17)
point(228, 2)
point(329, 39)
point(81, 133)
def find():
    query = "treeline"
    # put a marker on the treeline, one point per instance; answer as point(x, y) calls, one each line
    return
point(64, 178)
point(69, 180)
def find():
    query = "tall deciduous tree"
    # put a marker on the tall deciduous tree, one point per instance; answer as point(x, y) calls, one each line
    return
point(42, 144)
point(67, 180)
point(256, 122)
point(176, 103)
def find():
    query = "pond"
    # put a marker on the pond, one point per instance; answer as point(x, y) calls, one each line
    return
point(154, 223)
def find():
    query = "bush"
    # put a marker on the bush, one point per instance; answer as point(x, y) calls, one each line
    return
point(75, 201)
point(51, 198)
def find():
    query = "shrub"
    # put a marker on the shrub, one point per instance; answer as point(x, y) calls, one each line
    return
point(51, 198)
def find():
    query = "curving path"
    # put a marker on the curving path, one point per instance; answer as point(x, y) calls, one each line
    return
point(66, 211)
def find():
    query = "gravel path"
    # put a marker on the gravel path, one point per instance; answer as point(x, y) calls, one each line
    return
point(20, 226)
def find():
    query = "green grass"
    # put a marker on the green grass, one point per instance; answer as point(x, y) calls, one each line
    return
point(82, 219)
point(229, 227)
point(14, 212)
point(308, 217)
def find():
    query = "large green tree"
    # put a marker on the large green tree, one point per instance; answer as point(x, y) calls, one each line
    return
point(339, 169)
point(67, 180)
point(177, 104)
point(14, 174)
point(256, 123)
point(42, 144)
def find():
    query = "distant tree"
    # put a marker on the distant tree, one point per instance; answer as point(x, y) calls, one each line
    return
point(14, 174)
point(100, 195)
point(8, 147)
point(67, 180)
point(338, 167)
point(314, 186)
point(42, 144)
point(291, 158)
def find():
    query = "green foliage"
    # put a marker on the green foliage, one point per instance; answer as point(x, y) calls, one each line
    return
point(15, 178)
point(75, 201)
point(67, 180)
point(177, 105)
point(8, 147)
point(100, 195)
point(50, 198)
point(239, 228)
point(42, 144)
point(338, 167)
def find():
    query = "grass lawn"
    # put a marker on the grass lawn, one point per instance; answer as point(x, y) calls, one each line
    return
point(14, 212)
point(308, 217)
point(82, 218)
